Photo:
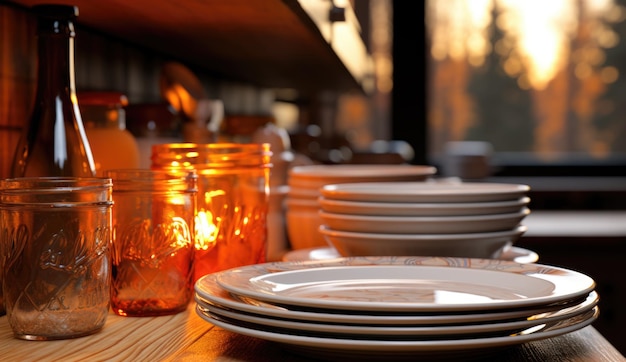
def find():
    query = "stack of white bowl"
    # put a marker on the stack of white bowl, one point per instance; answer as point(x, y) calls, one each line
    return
point(459, 219)
point(304, 184)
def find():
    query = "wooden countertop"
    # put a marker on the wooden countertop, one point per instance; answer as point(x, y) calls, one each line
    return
point(187, 337)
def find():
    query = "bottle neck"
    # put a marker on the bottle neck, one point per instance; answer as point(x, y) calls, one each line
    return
point(56, 63)
point(54, 142)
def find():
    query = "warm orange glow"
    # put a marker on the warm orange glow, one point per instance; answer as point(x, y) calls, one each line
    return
point(206, 230)
point(207, 224)
point(381, 44)
point(556, 52)
point(537, 34)
point(458, 28)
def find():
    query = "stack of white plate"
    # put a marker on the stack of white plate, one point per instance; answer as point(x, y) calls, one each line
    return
point(462, 219)
point(392, 307)
point(304, 183)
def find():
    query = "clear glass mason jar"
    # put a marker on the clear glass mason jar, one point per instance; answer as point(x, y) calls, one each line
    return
point(233, 195)
point(55, 234)
point(153, 241)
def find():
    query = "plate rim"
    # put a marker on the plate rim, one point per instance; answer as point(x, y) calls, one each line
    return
point(517, 230)
point(524, 256)
point(588, 303)
point(523, 212)
point(242, 276)
point(407, 346)
point(436, 191)
point(422, 209)
point(423, 224)
point(208, 288)
point(321, 172)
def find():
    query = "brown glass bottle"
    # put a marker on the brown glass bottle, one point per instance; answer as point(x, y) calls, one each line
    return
point(54, 142)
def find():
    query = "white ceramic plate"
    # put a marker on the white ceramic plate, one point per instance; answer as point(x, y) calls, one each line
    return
point(208, 292)
point(423, 224)
point(471, 245)
point(438, 238)
point(516, 254)
point(422, 208)
point(314, 346)
point(424, 192)
point(392, 332)
point(360, 172)
point(406, 284)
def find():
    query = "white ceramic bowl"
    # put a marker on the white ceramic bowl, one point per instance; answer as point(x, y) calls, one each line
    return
point(313, 177)
point(302, 223)
point(513, 253)
point(301, 204)
point(470, 245)
point(422, 208)
point(305, 181)
point(356, 172)
point(423, 224)
point(424, 191)
point(303, 193)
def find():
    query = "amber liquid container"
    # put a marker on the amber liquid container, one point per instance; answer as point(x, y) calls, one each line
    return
point(54, 142)
point(56, 233)
point(153, 241)
point(233, 196)
point(112, 145)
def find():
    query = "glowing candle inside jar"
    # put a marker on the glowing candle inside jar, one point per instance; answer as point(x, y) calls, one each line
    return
point(206, 230)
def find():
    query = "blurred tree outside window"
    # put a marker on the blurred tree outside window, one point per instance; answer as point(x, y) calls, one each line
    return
point(543, 81)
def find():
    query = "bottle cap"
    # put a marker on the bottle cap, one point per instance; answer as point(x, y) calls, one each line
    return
point(52, 11)
point(50, 18)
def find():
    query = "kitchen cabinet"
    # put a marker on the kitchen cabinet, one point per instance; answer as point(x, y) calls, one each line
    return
point(290, 47)
point(282, 44)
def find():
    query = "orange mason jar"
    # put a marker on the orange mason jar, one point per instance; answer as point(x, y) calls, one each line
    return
point(153, 241)
point(232, 200)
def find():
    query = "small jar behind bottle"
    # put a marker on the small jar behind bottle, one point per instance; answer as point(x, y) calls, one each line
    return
point(112, 145)
point(55, 249)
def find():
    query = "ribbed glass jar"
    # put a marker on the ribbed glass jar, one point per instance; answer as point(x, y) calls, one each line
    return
point(233, 195)
point(54, 247)
point(153, 241)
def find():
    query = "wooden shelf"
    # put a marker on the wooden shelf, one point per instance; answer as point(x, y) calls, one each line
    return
point(271, 43)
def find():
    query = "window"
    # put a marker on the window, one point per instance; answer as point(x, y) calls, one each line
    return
point(544, 82)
